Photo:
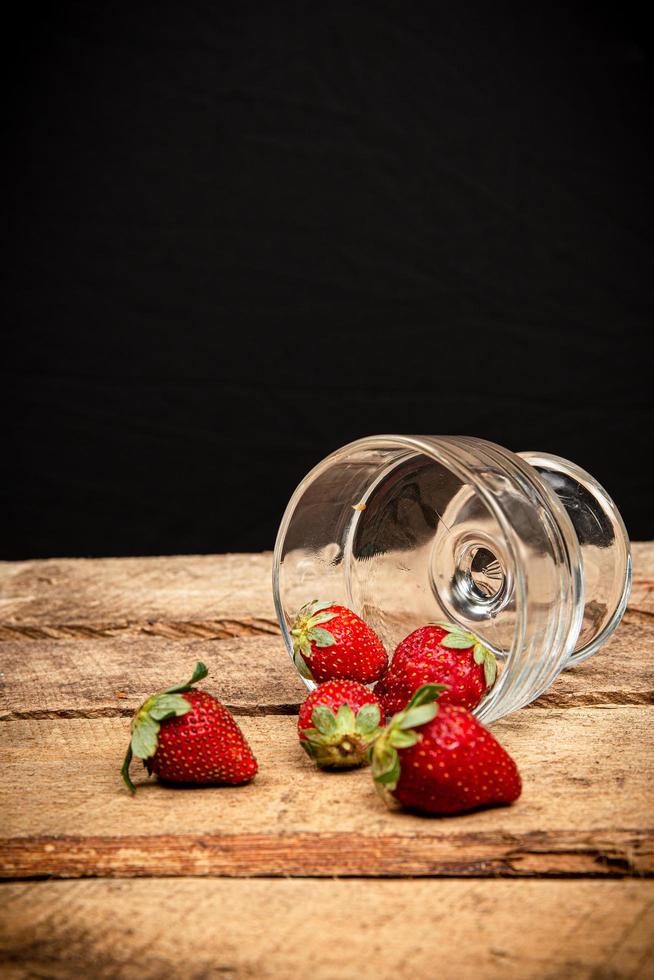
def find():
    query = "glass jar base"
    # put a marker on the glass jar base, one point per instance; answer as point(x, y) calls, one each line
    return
point(604, 544)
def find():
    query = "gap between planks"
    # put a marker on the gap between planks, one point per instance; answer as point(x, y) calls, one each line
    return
point(253, 675)
point(208, 629)
point(605, 699)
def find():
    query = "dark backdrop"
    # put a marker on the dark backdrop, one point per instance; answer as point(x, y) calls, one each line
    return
point(241, 235)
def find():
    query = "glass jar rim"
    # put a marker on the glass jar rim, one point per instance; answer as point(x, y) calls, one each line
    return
point(450, 452)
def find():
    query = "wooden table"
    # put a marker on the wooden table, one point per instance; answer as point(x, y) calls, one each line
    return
point(300, 874)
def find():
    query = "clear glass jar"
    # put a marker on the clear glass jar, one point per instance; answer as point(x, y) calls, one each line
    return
point(525, 550)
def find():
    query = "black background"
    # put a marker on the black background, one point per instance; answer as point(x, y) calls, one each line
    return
point(242, 235)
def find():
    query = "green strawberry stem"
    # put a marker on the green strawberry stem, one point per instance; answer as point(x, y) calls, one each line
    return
point(341, 740)
point(147, 720)
point(459, 639)
point(400, 734)
point(199, 674)
point(307, 629)
point(124, 772)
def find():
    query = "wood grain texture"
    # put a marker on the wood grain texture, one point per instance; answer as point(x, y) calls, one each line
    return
point(230, 881)
point(621, 672)
point(584, 810)
point(211, 596)
point(112, 677)
point(547, 854)
point(368, 930)
point(202, 596)
point(252, 675)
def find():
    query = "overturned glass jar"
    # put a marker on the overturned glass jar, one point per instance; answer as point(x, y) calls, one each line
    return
point(526, 551)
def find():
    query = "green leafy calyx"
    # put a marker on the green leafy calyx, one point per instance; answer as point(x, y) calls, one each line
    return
point(460, 639)
point(307, 629)
point(147, 720)
point(400, 733)
point(341, 740)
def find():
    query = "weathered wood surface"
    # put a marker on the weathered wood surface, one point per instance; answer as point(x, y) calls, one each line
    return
point(96, 678)
point(111, 677)
point(586, 809)
point(86, 641)
point(204, 930)
point(203, 596)
point(180, 596)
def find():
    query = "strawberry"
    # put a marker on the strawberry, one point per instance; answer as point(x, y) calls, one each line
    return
point(187, 736)
point(439, 759)
point(337, 724)
point(438, 654)
point(348, 649)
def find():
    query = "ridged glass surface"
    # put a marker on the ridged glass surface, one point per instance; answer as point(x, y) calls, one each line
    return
point(408, 530)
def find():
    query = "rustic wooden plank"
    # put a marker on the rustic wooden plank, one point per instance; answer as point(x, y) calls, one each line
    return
point(252, 675)
point(456, 930)
point(586, 807)
point(621, 672)
point(203, 596)
point(555, 854)
point(181, 596)
point(112, 677)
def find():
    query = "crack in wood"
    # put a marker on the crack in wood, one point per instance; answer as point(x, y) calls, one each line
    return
point(635, 615)
point(207, 629)
point(607, 699)
point(593, 699)
point(210, 629)
point(126, 711)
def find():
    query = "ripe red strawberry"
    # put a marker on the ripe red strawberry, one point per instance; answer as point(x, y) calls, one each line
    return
point(337, 724)
point(348, 649)
point(187, 736)
point(438, 654)
point(440, 759)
